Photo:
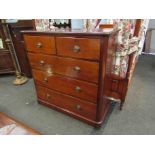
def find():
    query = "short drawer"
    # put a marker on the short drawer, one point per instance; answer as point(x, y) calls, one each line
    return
point(86, 48)
point(40, 44)
point(77, 88)
point(79, 69)
point(67, 103)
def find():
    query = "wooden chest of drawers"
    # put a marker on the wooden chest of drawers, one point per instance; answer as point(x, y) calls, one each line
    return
point(69, 70)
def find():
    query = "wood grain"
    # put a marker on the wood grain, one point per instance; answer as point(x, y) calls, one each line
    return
point(18, 42)
point(6, 64)
point(56, 80)
point(89, 48)
point(77, 106)
point(47, 44)
point(88, 71)
point(67, 85)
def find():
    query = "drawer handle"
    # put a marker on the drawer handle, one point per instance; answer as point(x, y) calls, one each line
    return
point(42, 62)
point(39, 45)
point(76, 48)
point(78, 89)
point(48, 96)
point(77, 68)
point(78, 107)
point(45, 80)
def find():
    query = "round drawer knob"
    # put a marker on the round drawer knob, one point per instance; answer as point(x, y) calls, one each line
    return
point(78, 89)
point(48, 96)
point(42, 62)
point(39, 45)
point(77, 68)
point(76, 48)
point(78, 107)
point(45, 80)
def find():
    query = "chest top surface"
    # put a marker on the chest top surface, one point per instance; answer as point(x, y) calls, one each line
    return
point(98, 32)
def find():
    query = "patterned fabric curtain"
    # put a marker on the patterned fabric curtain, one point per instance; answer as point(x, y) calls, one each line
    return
point(42, 24)
point(126, 44)
point(90, 24)
point(142, 33)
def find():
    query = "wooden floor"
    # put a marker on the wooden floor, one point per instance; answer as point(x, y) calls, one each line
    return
point(9, 126)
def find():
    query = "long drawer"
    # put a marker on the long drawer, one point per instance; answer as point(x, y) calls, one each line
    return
point(66, 102)
point(83, 70)
point(77, 88)
point(86, 48)
point(40, 44)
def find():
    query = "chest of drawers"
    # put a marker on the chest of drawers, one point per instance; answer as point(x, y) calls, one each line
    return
point(69, 71)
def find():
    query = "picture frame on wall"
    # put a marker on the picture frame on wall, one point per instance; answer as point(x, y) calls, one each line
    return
point(62, 23)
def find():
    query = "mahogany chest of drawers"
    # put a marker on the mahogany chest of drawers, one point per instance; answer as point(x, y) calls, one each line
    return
point(69, 69)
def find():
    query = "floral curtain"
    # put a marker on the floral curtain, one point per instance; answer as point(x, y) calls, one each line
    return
point(126, 44)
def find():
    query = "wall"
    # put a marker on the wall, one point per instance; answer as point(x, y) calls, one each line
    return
point(152, 25)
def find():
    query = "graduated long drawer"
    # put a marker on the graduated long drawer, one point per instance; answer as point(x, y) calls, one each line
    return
point(67, 103)
point(70, 86)
point(79, 69)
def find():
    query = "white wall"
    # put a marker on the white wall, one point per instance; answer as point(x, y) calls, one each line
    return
point(152, 25)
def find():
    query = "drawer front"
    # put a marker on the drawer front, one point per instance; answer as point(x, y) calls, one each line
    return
point(78, 47)
point(40, 44)
point(81, 89)
point(77, 106)
point(83, 70)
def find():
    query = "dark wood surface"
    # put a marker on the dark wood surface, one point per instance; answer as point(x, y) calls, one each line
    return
point(89, 48)
point(43, 44)
point(70, 32)
point(75, 105)
point(97, 46)
point(88, 91)
point(56, 79)
point(5, 120)
point(102, 107)
point(18, 42)
point(66, 66)
point(6, 63)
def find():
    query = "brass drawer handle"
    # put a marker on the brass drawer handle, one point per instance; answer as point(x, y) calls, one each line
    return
point(78, 107)
point(39, 45)
point(77, 68)
point(78, 89)
point(42, 62)
point(48, 96)
point(76, 48)
point(45, 80)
